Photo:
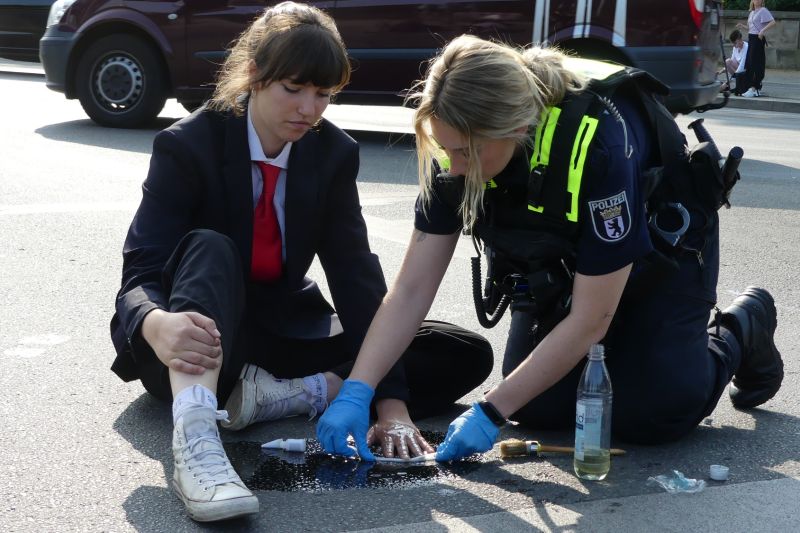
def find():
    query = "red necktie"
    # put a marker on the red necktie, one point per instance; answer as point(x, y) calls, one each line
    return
point(267, 261)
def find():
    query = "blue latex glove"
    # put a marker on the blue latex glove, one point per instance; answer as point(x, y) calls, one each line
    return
point(348, 414)
point(470, 433)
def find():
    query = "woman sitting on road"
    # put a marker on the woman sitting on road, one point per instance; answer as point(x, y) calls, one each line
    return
point(215, 307)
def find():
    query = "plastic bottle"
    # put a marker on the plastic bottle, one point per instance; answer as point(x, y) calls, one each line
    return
point(287, 445)
point(593, 418)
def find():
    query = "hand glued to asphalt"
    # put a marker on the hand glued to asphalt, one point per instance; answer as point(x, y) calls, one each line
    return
point(398, 439)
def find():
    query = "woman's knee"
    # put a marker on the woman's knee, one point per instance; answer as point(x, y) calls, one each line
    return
point(656, 418)
point(651, 430)
point(212, 242)
point(482, 358)
point(204, 251)
point(477, 357)
point(473, 351)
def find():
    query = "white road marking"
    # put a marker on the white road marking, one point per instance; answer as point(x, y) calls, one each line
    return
point(36, 345)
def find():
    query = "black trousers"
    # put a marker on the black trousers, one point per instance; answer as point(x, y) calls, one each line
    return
point(755, 65)
point(442, 364)
point(667, 369)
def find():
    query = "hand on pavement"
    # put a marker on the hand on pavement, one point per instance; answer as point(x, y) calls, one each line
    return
point(399, 438)
point(348, 414)
point(472, 432)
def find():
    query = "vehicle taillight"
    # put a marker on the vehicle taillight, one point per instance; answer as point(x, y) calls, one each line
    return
point(696, 7)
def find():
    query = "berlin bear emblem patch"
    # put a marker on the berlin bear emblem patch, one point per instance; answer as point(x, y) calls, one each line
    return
point(611, 217)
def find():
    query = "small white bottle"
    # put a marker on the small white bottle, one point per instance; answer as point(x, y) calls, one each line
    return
point(287, 445)
point(593, 419)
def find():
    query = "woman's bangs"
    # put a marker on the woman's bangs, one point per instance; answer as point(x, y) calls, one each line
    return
point(320, 61)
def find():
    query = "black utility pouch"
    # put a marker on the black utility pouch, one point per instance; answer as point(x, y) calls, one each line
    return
point(711, 192)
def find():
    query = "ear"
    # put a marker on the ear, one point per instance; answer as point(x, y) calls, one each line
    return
point(521, 130)
point(252, 72)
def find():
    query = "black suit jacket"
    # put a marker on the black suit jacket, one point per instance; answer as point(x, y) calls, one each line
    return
point(200, 177)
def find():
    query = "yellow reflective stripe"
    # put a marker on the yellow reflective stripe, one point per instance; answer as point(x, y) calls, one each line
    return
point(579, 151)
point(537, 137)
point(543, 141)
point(547, 138)
point(543, 138)
point(491, 184)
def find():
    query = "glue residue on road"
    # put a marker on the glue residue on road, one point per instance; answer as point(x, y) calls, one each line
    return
point(316, 471)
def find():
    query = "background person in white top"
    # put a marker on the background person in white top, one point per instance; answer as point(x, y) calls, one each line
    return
point(735, 63)
point(759, 21)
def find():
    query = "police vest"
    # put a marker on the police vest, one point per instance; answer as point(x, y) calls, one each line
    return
point(531, 221)
point(529, 225)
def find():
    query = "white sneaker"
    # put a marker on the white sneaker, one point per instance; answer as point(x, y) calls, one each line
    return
point(204, 478)
point(750, 93)
point(258, 397)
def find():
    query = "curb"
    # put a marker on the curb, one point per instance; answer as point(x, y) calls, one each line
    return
point(763, 103)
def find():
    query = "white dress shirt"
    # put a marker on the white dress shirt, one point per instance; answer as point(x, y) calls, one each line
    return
point(281, 161)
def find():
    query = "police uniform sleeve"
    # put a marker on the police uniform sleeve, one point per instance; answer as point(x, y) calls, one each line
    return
point(437, 217)
point(613, 232)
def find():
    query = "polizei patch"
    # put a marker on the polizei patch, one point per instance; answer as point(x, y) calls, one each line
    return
point(611, 217)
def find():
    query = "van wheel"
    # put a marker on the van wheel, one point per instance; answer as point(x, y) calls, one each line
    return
point(120, 82)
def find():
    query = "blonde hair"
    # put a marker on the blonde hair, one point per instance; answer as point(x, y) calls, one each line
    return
point(753, 4)
point(488, 90)
point(289, 40)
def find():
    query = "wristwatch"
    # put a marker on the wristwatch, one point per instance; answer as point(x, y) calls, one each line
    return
point(492, 413)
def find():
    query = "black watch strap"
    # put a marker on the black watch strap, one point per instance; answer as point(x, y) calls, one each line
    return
point(492, 413)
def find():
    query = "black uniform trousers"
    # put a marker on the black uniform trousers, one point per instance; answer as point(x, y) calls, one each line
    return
point(442, 364)
point(667, 369)
point(755, 64)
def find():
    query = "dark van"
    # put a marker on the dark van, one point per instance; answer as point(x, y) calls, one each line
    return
point(123, 58)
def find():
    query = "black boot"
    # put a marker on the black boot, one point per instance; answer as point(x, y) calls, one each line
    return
point(752, 318)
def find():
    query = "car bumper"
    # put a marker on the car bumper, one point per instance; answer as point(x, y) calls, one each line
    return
point(680, 69)
point(54, 51)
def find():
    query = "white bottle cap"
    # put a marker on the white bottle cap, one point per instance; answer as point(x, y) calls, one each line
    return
point(718, 472)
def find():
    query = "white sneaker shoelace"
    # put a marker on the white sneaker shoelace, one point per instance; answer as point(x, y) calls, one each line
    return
point(204, 455)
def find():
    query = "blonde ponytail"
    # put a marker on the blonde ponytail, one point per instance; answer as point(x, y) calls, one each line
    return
point(547, 64)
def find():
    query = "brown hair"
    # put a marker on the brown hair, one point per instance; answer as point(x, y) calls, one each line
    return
point(289, 40)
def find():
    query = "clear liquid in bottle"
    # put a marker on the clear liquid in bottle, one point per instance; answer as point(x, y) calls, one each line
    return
point(592, 460)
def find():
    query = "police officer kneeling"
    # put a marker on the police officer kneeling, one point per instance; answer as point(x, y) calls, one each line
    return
point(597, 224)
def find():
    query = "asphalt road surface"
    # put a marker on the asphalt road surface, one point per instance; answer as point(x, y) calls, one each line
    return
point(80, 450)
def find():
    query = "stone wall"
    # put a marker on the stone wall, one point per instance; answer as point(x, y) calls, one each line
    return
point(783, 39)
